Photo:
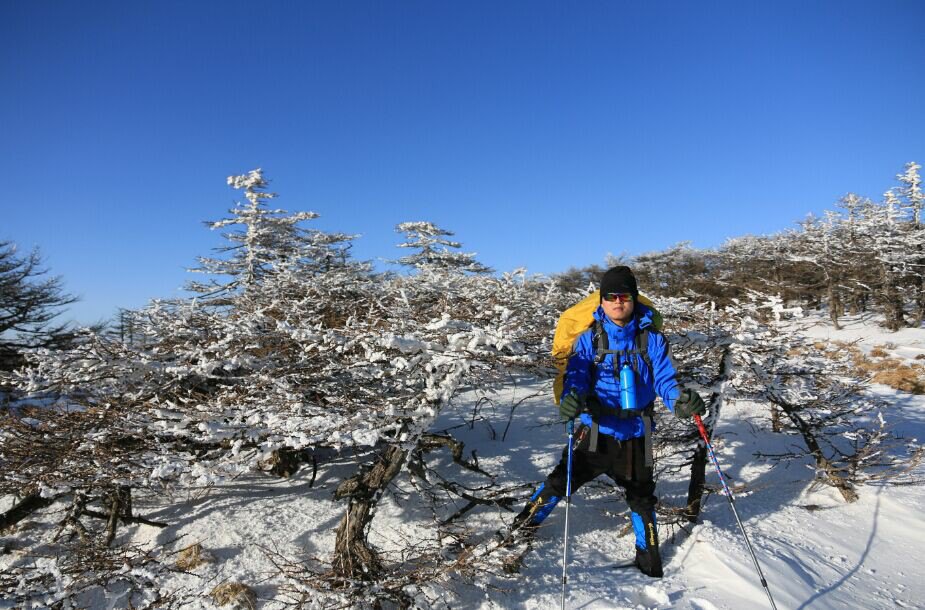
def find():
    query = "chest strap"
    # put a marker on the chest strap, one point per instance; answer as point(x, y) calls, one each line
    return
point(601, 343)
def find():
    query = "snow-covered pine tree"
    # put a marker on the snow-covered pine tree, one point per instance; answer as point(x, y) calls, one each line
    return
point(912, 200)
point(267, 240)
point(220, 384)
point(435, 253)
point(819, 256)
point(911, 191)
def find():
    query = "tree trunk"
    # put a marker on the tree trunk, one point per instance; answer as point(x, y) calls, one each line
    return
point(834, 303)
point(920, 300)
point(120, 502)
point(697, 482)
point(834, 476)
point(353, 557)
point(892, 301)
point(777, 426)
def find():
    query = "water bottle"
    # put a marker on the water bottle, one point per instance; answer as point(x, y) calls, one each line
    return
point(627, 387)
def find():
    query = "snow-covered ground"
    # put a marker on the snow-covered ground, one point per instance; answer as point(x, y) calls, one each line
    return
point(816, 551)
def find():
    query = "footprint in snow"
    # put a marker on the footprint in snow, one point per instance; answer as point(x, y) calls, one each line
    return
point(652, 596)
point(701, 604)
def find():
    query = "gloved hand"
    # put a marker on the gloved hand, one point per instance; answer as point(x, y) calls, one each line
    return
point(688, 404)
point(570, 405)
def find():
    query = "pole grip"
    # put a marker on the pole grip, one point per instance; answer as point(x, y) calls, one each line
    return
point(570, 427)
point(703, 431)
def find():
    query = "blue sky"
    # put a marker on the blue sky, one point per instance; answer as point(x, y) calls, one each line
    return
point(545, 134)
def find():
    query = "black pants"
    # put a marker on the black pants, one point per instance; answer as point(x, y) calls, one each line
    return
point(622, 461)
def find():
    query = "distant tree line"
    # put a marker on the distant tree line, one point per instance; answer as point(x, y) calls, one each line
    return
point(866, 256)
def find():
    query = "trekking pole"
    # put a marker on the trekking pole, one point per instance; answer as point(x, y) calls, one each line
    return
point(570, 428)
point(722, 479)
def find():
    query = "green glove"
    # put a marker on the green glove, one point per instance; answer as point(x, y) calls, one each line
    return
point(688, 404)
point(571, 404)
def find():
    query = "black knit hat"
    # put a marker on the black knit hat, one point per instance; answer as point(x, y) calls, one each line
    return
point(619, 279)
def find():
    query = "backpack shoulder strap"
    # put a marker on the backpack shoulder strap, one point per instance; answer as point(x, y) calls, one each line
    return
point(601, 344)
point(600, 341)
point(642, 346)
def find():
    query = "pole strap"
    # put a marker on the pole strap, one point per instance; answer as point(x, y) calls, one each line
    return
point(592, 442)
point(647, 426)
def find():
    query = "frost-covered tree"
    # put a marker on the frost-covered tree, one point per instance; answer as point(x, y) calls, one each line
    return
point(767, 263)
point(435, 253)
point(678, 270)
point(912, 200)
point(286, 361)
point(911, 191)
point(816, 259)
point(267, 240)
point(865, 255)
point(581, 278)
point(887, 237)
point(700, 342)
point(301, 353)
point(813, 392)
point(218, 384)
point(476, 333)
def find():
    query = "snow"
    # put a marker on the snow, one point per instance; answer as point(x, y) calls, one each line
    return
point(816, 551)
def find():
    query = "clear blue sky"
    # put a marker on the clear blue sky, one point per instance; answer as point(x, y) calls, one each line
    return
point(545, 134)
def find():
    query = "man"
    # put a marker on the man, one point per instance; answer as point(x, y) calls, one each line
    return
point(615, 436)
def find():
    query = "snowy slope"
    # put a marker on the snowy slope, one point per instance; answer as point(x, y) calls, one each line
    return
point(815, 550)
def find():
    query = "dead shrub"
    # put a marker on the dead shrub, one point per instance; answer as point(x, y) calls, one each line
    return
point(192, 557)
point(885, 365)
point(835, 350)
point(861, 362)
point(879, 352)
point(866, 366)
point(234, 593)
point(920, 357)
point(902, 377)
point(285, 462)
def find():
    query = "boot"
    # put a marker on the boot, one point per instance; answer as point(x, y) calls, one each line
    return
point(535, 512)
point(519, 537)
point(648, 559)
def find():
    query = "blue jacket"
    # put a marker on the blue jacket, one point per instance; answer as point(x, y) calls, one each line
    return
point(584, 376)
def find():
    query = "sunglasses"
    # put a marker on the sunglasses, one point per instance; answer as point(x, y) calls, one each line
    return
point(618, 297)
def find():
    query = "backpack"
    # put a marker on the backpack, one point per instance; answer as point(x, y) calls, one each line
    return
point(577, 319)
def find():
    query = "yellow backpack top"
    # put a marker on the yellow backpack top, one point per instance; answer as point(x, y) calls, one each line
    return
point(576, 320)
